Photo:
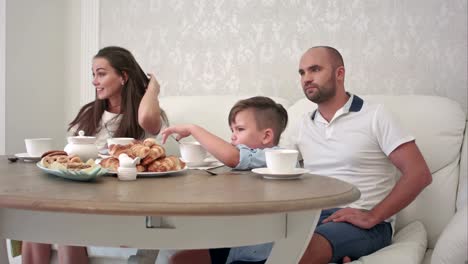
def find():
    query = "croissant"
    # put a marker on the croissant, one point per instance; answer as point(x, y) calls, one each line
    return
point(169, 163)
point(140, 168)
point(116, 150)
point(138, 150)
point(156, 152)
point(110, 163)
point(149, 142)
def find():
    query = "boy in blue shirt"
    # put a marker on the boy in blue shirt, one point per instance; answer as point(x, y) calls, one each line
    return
point(256, 124)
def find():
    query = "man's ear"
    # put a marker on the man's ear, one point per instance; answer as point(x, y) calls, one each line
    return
point(268, 136)
point(340, 73)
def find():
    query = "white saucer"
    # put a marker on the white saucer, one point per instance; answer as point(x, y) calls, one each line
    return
point(204, 163)
point(267, 174)
point(26, 157)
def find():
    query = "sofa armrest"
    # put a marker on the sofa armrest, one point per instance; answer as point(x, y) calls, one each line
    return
point(462, 192)
point(408, 246)
point(452, 243)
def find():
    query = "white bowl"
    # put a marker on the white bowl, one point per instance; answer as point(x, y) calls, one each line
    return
point(119, 141)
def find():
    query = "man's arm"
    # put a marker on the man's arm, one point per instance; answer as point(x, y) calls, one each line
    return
point(415, 177)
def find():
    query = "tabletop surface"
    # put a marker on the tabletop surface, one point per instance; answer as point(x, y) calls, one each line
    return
point(192, 192)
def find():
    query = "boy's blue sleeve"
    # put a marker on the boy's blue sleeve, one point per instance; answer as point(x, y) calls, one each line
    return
point(251, 158)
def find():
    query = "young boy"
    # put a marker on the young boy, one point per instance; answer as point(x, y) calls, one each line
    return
point(256, 124)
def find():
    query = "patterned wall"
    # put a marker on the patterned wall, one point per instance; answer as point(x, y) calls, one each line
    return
point(253, 46)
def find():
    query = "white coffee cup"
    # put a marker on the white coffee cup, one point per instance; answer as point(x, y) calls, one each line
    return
point(281, 160)
point(192, 151)
point(36, 146)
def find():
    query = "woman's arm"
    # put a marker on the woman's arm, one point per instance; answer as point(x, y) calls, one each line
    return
point(149, 112)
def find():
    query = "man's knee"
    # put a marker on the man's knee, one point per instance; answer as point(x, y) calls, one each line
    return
point(197, 256)
point(318, 251)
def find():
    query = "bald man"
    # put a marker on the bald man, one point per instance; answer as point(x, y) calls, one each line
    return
point(359, 142)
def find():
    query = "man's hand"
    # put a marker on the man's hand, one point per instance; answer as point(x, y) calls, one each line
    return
point(360, 218)
point(181, 131)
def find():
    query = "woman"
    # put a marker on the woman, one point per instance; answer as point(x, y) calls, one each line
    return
point(126, 105)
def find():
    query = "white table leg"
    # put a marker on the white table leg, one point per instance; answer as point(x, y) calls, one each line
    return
point(300, 227)
point(3, 252)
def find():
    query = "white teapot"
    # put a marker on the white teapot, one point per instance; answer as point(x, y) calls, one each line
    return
point(82, 146)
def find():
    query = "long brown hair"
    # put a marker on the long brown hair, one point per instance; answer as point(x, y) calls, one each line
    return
point(89, 116)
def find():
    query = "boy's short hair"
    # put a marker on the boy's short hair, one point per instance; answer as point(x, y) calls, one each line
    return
point(267, 113)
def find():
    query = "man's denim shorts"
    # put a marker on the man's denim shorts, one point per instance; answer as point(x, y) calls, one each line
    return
point(344, 238)
point(352, 241)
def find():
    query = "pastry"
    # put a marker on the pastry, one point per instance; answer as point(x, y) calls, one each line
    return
point(54, 153)
point(77, 166)
point(169, 163)
point(116, 150)
point(140, 168)
point(149, 142)
point(110, 163)
point(57, 160)
point(139, 150)
point(156, 152)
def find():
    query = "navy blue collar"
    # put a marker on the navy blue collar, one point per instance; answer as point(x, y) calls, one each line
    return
point(356, 105)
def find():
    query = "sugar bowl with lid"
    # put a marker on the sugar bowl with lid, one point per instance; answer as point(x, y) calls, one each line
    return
point(82, 146)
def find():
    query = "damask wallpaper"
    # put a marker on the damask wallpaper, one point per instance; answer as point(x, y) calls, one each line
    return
point(253, 46)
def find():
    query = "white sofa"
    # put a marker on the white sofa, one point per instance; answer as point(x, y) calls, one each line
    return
point(439, 127)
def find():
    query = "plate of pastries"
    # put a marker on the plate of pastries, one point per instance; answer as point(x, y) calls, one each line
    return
point(153, 159)
point(59, 163)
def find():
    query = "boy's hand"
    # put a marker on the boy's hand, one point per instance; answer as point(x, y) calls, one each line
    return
point(181, 131)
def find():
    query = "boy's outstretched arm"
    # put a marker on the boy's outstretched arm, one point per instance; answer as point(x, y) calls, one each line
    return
point(220, 149)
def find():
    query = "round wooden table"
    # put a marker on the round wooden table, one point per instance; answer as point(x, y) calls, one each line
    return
point(191, 209)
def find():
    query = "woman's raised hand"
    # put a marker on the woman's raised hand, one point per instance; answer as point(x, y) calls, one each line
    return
point(153, 83)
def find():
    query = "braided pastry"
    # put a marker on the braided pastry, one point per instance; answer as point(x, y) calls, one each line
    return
point(77, 166)
point(62, 159)
point(74, 159)
point(51, 153)
point(57, 160)
point(169, 163)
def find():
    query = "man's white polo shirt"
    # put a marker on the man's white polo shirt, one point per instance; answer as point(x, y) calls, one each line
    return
point(353, 147)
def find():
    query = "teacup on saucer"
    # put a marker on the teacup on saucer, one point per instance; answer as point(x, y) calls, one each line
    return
point(281, 161)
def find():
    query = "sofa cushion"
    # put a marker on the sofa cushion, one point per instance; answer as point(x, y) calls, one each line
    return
point(408, 246)
point(452, 244)
point(427, 257)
